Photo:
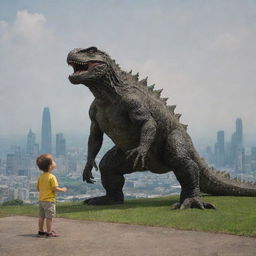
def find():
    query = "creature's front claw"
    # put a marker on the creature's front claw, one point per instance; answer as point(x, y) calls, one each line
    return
point(87, 173)
point(209, 206)
point(95, 166)
point(175, 206)
point(193, 202)
point(87, 176)
point(139, 154)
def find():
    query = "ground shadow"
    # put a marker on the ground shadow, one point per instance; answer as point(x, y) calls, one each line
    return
point(29, 235)
point(163, 202)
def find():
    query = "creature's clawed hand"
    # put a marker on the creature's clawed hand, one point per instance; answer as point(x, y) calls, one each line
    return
point(139, 153)
point(87, 174)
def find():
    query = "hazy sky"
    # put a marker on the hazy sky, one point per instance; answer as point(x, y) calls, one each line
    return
point(202, 53)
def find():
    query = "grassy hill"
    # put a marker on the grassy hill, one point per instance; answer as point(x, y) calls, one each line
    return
point(234, 215)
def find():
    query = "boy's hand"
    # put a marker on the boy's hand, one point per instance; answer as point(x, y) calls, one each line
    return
point(64, 189)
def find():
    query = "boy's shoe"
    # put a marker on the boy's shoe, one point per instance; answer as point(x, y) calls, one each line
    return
point(52, 234)
point(40, 233)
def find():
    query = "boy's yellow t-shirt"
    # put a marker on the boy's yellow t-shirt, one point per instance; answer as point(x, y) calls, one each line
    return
point(45, 185)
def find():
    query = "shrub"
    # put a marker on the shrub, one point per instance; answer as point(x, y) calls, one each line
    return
point(13, 202)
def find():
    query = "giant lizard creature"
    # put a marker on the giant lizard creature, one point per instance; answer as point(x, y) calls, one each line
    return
point(147, 134)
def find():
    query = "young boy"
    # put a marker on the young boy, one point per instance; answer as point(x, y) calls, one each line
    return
point(47, 185)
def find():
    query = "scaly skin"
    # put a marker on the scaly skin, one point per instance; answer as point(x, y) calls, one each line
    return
point(146, 132)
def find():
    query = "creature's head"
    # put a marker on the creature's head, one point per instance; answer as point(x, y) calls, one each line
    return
point(90, 65)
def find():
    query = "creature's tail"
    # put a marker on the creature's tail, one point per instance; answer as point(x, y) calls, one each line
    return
point(219, 183)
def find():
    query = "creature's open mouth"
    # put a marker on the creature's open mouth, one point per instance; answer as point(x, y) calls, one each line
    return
point(82, 67)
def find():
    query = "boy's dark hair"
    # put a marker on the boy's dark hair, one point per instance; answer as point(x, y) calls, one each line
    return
point(44, 162)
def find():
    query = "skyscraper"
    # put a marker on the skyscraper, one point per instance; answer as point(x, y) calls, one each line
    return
point(46, 132)
point(239, 131)
point(60, 145)
point(220, 149)
point(32, 147)
point(237, 150)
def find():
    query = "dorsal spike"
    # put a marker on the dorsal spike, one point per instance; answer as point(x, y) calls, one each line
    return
point(151, 87)
point(136, 76)
point(130, 72)
point(172, 107)
point(185, 126)
point(164, 100)
point(144, 81)
point(178, 116)
point(158, 92)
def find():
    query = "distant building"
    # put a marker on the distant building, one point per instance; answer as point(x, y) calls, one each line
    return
point(253, 153)
point(23, 194)
point(253, 159)
point(237, 150)
point(11, 164)
point(60, 145)
point(220, 149)
point(23, 172)
point(208, 155)
point(4, 192)
point(46, 132)
point(239, 131)
point(32, 146)
point(13, 194)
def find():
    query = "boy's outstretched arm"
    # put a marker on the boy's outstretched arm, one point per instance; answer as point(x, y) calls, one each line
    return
point(58, 189)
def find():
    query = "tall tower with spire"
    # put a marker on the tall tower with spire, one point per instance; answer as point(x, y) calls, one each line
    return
point(46, 132)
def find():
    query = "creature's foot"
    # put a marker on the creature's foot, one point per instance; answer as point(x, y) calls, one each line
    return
point(193, 202)
point(102, 200)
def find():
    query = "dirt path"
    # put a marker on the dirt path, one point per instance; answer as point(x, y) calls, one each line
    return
point(17, 237)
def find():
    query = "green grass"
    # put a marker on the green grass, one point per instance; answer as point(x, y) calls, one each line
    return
point(234, 215)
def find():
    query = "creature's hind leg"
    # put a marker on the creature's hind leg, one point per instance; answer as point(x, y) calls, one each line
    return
point(112, 166)
point(186, 170)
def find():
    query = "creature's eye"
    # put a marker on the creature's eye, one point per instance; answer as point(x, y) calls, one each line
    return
point(89, 50)
point(92, 50)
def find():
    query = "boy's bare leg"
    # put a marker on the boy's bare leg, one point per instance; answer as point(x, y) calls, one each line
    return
point(41, 224)
point(49, 225)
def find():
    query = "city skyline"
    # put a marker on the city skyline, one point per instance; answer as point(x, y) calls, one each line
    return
point(75, 138)
point(18, 170)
